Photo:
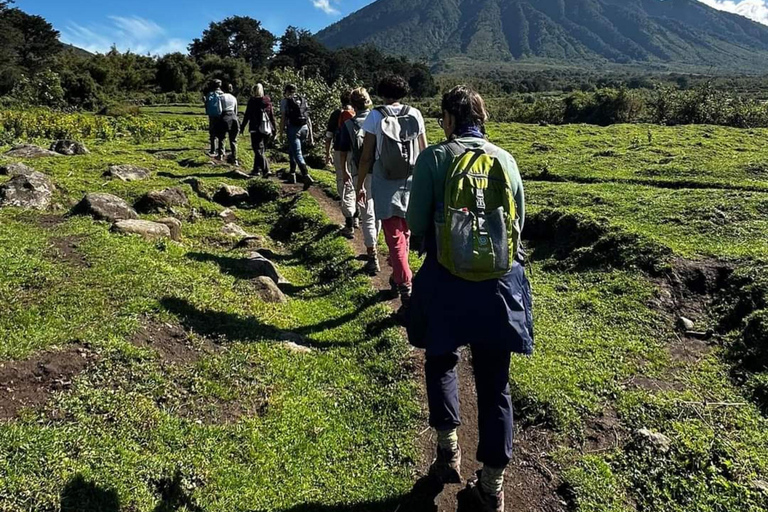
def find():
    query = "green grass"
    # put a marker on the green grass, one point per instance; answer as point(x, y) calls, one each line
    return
point(335, 427)
point(311, 424)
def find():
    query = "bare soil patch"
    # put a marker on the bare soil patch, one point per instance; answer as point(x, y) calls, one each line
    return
point(66, 249)
point(171, 342)
point(31, 382)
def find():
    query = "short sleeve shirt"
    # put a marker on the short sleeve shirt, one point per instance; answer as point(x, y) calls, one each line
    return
point(390, 197)
point(372, 124)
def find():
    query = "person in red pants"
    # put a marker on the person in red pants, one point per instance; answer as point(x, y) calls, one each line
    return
point(394, 137)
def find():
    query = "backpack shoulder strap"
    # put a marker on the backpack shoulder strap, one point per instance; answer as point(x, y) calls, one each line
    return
point(384, 111)
point(456, 148)
point(405, 111)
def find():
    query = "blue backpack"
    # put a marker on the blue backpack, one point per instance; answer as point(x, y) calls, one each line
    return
point(213, 104)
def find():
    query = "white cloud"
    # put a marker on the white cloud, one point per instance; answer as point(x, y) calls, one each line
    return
point(756, 10)
point(133, 33)
point(325, 6)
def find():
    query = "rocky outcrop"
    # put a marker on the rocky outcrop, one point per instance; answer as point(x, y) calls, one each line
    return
point(174, 225)
point(103, 206)
point(267, 290)
point(127, 172)
point(30, 151)
point(235, 231)
point(228, 195)
point(15, 169)
point(162, 200)
point(69, 148)
point(32, 190)
point(144, 228)
point(261, 266)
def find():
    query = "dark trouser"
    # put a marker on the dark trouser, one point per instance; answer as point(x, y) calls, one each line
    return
point(494, 405)
point(213, 128)
point(259, 145)
point(297, 135)
point(229, 125)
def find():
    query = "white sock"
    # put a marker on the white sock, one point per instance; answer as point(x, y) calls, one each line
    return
point(492, 480)
point(448, 439)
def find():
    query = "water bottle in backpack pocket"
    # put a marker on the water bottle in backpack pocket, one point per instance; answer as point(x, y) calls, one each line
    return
point(478, 231)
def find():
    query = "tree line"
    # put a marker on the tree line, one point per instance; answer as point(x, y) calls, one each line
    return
point(37, 69)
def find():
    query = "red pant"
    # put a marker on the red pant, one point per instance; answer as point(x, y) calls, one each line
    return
point(398, 238)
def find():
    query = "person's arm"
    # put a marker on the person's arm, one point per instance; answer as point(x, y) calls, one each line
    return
point(344, 156)
point(366, 164)
point(311, 132)
point(421, 205)
point(423, 142)
point(328, 141)
point(271, 114)
point(246, 117)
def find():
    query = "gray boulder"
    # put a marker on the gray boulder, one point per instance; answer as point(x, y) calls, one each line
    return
point(127, 172)
point(261, 266)
point(30, 151)
point(69, 147)
point(174, 225)
point(15, 169)
point(105, 207)
point(144, 228)
point(228, 195)
point(32, 190)
point(268, 291)
point(162, 200)
point(235, 231)
point(228, 215)
point(654, 440)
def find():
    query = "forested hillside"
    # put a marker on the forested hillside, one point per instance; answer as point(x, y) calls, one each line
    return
point(649, 32)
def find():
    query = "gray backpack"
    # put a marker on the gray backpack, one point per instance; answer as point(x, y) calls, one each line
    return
point(400, 143)
point(356, 134)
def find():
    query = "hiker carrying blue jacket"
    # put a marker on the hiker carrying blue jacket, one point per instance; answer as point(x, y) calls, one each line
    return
point(213, 111)
point(467, 206)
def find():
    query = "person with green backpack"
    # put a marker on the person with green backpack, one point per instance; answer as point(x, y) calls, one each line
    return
point(468, 208)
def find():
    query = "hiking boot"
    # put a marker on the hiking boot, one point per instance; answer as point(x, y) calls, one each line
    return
point(266, 174)
point(403, 314)
point(447, 466)
point(292, 180)
point(484, 502)
point(348, 231)
point(392, 287)
point(372, 266)
point(308, 182)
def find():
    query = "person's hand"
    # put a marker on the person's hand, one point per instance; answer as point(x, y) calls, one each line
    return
point(328, 159)
point(362, 198)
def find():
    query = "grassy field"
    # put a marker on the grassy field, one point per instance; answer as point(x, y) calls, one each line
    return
point(233, 418)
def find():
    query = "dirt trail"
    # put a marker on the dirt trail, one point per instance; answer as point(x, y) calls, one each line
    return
point(530, 486)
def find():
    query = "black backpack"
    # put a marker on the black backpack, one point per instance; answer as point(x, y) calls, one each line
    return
point(297, 111)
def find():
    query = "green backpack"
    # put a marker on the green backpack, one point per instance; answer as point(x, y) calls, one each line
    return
point(478, 235)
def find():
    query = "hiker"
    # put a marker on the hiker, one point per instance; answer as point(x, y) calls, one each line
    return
point(472, 289)
point(261, 116)
point(213, 111)
point(297, 125)
point(344, 187)
point(350, 149)
point(228, 126)
point(394, 137)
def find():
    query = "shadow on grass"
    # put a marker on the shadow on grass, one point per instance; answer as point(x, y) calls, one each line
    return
point(174, 497)
point(80, 495)
point(420, 499)
point(233, 327)
point(226, 173)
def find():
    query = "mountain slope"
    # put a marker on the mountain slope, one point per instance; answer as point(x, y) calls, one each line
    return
point(619, 31)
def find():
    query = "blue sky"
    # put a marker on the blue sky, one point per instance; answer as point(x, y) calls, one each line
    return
point(163, 26)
